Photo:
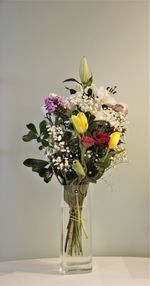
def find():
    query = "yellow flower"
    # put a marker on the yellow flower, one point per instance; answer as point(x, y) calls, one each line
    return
point(80, 122)
point(114, 139)
point(84, 71)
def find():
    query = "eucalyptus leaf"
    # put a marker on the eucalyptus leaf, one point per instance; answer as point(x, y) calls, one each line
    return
point(30, 136)
point(46, 173)
point(39, 166)
point(35, 163)
point(45, 143)
point(32, 127)
point(42, 126)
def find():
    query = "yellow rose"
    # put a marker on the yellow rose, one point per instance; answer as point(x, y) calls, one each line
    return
point(80, 122)
point(84, 71)
point(114, 139)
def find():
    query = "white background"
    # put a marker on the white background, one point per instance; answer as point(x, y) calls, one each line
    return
point(41, 43)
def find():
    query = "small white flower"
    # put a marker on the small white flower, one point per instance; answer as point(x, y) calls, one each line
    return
point(61, 166)
point(59, 138)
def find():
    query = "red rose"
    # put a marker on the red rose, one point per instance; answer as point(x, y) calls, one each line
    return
point(100, 137)
point(87, 141)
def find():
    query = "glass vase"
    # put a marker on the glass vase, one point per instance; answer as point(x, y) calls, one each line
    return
point(76, 251)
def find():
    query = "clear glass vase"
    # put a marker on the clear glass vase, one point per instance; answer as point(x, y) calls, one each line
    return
point(76, 244)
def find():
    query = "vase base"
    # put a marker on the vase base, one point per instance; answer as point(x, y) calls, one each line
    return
point(66, 271)
point(75, 268)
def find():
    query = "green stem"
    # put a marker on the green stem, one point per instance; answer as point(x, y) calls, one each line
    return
point(84, 229)
point(70, 237)
point(107, 152)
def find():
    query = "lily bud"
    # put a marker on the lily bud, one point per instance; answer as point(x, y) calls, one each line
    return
point(114, 140)
point(84, 71)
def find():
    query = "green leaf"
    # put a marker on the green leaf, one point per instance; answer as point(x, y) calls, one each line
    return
point(39, 166)
point(31, 127)
point(90, 117)
point(72, 91)
point(73, 142)
point(90, 81)
point(72, 79)
point(35, 163)
point(100, 174)
point(45, 143)
point(46, 173)
point(38, 139)
point(67, 135)
point(30, 136)
point(42, 127)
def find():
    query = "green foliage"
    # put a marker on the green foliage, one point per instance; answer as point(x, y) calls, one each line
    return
point(32, 134)
point(89, 81)
point(61, 116)
point(42, 127)
point(72, 91)
point(43, 168)
point(90, 117)
point(32, 127)
point(72, 80)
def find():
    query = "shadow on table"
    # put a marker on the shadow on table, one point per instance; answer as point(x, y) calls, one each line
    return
point(35, 266)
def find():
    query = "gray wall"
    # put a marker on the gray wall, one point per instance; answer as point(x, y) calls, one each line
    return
point(41, 45)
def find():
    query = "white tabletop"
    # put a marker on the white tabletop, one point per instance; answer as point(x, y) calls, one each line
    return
point(107, 271)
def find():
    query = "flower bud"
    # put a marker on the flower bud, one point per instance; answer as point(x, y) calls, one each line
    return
point(114, 140)
point(80, 122)
point(84, 71)
point(77, 167)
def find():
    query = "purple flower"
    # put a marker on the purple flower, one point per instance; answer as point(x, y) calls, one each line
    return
point(58, 101)
point(52, 102)
point(49, 105)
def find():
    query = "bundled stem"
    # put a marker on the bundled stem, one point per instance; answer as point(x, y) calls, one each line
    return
point(76, 226)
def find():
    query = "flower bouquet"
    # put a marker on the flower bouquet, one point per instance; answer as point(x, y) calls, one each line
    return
point(81, 137)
